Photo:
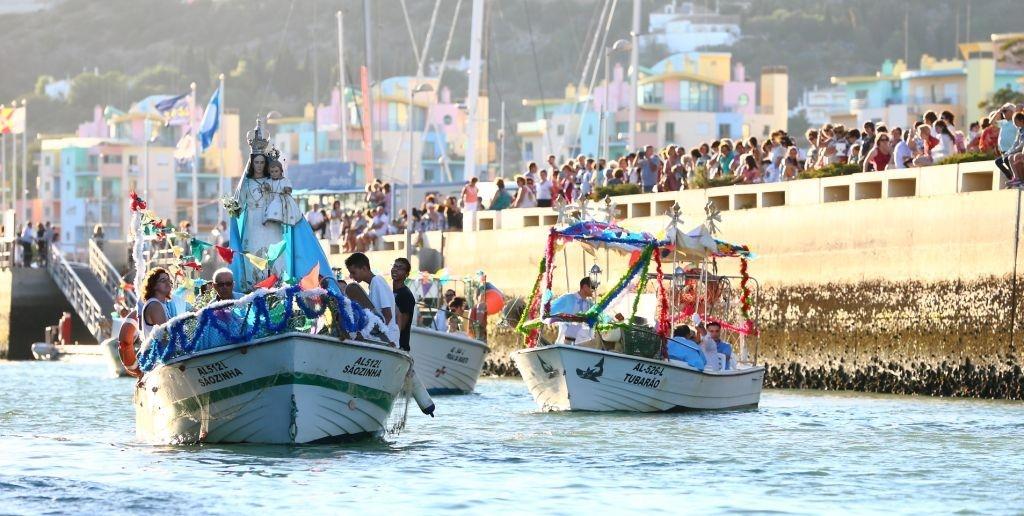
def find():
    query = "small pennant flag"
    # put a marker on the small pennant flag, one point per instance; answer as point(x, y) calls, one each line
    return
point(225, 253)
point(267, 283)
point(274, 251)
point(312, 280)
point(198, 247)
point(177, 250)
point(256, 261)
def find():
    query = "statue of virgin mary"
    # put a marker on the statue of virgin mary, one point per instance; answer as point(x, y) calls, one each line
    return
point(255, 232)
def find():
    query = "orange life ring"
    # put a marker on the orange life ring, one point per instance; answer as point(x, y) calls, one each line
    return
point(126, 345)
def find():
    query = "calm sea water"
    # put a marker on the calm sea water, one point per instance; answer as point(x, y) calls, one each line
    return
point(66, 445)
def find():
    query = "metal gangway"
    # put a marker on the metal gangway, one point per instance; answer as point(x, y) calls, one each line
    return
point(90, 288)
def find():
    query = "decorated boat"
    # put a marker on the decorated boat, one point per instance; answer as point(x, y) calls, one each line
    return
point(278, 366)
point(450, 362)
point(620, 363)
point(288, 360)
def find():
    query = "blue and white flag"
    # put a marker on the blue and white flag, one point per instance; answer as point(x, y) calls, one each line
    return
point(211, 121)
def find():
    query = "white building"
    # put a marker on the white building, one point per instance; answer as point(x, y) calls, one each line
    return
point(819, 104)
point(686, 26)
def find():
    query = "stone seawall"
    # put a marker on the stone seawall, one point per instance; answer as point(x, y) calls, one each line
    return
point(949, 338)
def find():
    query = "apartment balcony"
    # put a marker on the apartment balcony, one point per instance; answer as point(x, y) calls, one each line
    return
point(536, 127)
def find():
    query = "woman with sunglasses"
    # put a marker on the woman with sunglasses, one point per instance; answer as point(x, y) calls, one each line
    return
point(157, 308)
point(880, 156)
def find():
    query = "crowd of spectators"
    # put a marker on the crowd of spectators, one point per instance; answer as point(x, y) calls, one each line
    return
point(871, 147)
point(826, 150)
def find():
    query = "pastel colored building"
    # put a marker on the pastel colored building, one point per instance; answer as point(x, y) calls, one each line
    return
point(684, 99)
point(899, 96)
point(438, 144)
point(84, 178)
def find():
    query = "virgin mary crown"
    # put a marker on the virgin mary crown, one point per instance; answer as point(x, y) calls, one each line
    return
point(258, 143)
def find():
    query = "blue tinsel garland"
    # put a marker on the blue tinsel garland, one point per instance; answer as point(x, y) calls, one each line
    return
point(213, 329)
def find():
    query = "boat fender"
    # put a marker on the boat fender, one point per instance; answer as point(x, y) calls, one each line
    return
point(126, 346)
point(422, 396)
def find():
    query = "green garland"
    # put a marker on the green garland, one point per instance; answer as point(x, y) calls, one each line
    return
point(642, 284)
point(522, 326)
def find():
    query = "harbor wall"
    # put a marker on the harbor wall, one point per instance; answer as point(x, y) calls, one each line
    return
point(30, 302)
point(888, 286)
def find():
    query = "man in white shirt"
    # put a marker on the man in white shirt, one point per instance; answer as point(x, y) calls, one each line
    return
point(381, 295)
point(543, 189)
point(587, 179)
point(316, 219)
point(574, 303)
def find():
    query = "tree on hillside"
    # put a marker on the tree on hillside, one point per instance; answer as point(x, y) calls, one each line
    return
point(89, 89)
point(157, 80)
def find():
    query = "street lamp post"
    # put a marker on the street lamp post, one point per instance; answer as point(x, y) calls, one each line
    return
point(621, 45)
point(421, 88)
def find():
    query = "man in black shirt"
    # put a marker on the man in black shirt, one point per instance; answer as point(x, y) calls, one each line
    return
point(404, 302)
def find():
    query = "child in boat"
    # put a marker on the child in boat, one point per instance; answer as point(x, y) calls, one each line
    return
point(282, 207)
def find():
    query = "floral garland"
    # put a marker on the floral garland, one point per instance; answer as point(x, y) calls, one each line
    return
point(664, 326)
point(642, 284)
point(639, 267)
point(745, 298)
point(549, 258)
point(531, 307)
point(268, 312)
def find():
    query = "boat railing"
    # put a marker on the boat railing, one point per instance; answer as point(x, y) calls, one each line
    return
point(106, 273)
point(82, 301)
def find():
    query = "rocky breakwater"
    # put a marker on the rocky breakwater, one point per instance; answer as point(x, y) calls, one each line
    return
point(950, 338)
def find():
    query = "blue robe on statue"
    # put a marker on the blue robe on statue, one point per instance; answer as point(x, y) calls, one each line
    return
point(302, 252)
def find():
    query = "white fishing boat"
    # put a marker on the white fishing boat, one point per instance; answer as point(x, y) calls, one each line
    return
point(619, 363)
point(288, 362)
point(562, 377)
point(446, 363)
point(292, 388)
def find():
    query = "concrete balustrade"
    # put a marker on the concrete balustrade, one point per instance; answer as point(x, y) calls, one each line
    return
point(912, 182)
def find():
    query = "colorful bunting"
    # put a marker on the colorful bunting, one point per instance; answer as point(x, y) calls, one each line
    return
point(311, 280)
point(274, 251)
point(256, 261)
point(267, 283)
point(198, 248)
point(225, 253)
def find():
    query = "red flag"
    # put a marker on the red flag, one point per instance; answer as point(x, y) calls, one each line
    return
point(225, 253)
point(267, 283)
point(312, 280)
point(192, 265)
